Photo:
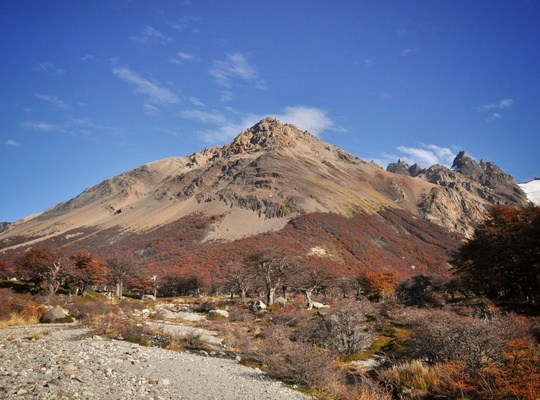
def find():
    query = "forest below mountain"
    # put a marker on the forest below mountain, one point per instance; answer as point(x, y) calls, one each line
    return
point(461, 326)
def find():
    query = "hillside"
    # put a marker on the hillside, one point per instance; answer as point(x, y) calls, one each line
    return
point(274, 186)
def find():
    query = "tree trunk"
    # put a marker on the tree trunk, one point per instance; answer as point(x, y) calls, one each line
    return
point(308, 293)
point(119, 289)
point(270, 295)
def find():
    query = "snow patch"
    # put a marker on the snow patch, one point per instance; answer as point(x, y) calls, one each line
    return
point(532, 190)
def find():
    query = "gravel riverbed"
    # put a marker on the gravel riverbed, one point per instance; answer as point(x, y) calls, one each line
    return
point(64, 362)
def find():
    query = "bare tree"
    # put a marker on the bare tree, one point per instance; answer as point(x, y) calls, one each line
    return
point(271, 267)
point(239, 279)
point(308, 280)
point(347, 328)
point(120, 268)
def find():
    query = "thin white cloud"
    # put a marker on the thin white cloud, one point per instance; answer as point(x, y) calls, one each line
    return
point(227, 126)
point(55, 101)
point(39, 126)
point(48, 67)
point(311, 119)
point(150, 109)
point(11, 143)
point(151, 35)
point(196, 102)
point(182, 57)
point(156, 94)
point(409, 51)
point(427, 155)
point(213, 117)
point(235, 66)
point(89, 57)
point(422, 154)
point(500, 105)
point(494, 117)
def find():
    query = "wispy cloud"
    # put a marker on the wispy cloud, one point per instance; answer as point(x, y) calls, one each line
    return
point(11, 143)
point(39, 126)
point(227, 126)
point(495, 109)
point(310, 119)
point(196, 102)
point(55, 101)
point(500, 105)
point(213, 117)
point(49, 67)
point(409, 51)
point(422, 154)
point(151, 35)
point(187, 23)
point(150, 109)
point(156, 94)
point(427, 155)
point(182, 57)
point(89, 57)
point(234, 66)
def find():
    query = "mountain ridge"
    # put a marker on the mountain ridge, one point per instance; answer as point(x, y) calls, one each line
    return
point(267, 175)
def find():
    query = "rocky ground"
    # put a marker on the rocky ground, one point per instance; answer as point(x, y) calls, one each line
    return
point(65, 362)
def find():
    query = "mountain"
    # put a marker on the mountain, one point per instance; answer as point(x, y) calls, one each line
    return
point(279, 186)
point(532, 190)
point(463, 192)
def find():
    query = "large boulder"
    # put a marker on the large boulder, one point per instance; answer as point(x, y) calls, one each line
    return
point(280, 301)
point(258, 305)
point(57, 314)
point(212, 314)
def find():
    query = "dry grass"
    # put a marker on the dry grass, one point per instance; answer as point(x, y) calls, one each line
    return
point(413, 379)
point(17, 319)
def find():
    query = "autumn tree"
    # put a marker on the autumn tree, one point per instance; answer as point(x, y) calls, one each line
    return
point(6, 270)
point(88, 270)
point(45, 267)
point(502, 260)
point(419, 291)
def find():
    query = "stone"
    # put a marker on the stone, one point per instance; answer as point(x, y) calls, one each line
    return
point(57, 314)
point(318, 306)
point(218, 314)
point(280, 300)
point(258, 305)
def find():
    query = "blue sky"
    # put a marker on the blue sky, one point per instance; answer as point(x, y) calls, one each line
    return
point(90, 89)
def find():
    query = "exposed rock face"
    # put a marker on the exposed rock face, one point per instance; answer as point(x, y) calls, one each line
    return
point(498, 185)
point(4, 226)
point(463, 193)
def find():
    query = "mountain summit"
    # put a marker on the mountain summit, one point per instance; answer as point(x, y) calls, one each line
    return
point(268, 175)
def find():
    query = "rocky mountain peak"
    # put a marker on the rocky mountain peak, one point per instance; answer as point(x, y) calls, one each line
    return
point(267, 133)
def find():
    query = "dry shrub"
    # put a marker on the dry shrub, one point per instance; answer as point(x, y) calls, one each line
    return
point(347, 328)
point(111, 324)
point(87, 310)
point(411, 379)
point(295, 362)
point(33, 310)
point(6, 303)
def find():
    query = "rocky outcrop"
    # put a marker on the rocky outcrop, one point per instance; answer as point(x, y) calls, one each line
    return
point(463, 193)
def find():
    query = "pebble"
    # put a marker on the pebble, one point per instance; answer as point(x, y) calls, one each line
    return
point(67, 363)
